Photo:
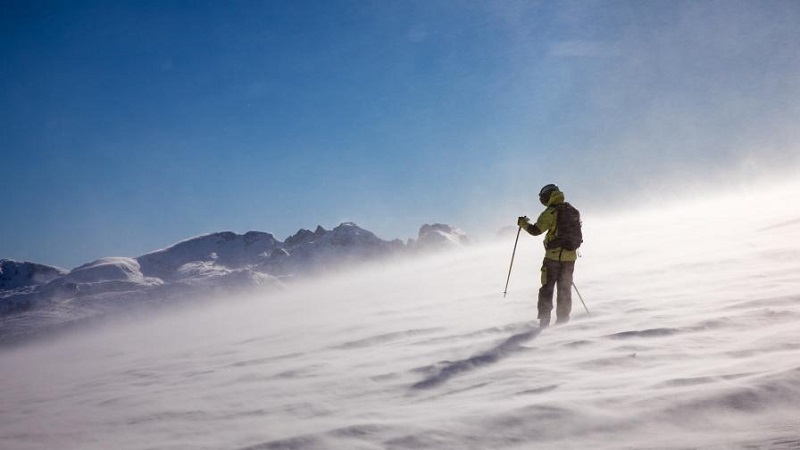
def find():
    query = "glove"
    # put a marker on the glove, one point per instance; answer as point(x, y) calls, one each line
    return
point(523, 222)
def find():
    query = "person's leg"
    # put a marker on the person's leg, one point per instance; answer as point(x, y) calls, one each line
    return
point(564, 292)
point(550, 271)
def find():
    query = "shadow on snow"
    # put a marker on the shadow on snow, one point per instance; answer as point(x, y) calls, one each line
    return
point(487, 357)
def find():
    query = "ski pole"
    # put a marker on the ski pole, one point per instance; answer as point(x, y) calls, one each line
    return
point(512, 262)
point(581, 297)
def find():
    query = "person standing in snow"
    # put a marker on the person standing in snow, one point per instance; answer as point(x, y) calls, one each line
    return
point(561, 222)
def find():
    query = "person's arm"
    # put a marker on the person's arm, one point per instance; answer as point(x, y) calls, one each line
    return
point(545, 222)
point(524, 223)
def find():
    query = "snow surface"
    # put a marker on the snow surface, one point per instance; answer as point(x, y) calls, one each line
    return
point(693, 342)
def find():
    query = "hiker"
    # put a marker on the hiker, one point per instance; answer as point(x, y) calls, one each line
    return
point(562, 223)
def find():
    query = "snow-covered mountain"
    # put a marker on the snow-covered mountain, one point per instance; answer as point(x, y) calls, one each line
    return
point(693, 343)
point(439, 236)
point(328, 250)
point(225, 249)
point(199, 266)
point(16, 274)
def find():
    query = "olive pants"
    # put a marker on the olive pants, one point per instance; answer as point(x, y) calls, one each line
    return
point(556, 275)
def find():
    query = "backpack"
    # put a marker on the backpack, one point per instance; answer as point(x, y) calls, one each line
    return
point(568, 228)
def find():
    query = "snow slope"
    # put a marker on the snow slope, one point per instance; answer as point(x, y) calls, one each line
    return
point(693, 342)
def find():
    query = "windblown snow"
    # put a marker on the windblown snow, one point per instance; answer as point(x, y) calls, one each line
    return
point(36, 299)
point(693, 342)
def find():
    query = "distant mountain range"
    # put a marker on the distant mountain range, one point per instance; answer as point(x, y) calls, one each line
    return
point(34, 296)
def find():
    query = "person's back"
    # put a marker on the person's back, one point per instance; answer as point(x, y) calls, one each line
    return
point(560, 252)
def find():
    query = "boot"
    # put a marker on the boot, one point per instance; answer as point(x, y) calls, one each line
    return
point(544, 322)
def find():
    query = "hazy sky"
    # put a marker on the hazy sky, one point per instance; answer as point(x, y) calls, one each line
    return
point(127, 126)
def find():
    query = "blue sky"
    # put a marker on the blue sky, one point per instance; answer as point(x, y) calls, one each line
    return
point(127, 126)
